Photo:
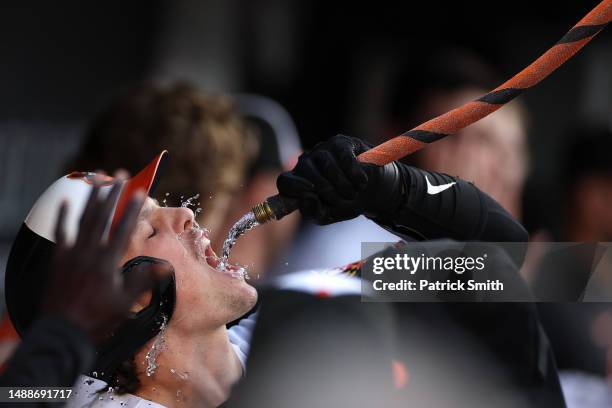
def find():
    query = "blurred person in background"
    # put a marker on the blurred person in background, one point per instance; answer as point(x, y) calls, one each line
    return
point(491, 153)
point(581, 332)
point(229, 155)
point(587, 186)
point(209, 141)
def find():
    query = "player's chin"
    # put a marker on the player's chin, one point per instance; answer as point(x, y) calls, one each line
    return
point(246, 289)
point(247, 296)
point(234, 285)
point(238, 301)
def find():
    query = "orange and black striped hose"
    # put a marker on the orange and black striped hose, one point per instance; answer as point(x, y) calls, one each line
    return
point(453, 121)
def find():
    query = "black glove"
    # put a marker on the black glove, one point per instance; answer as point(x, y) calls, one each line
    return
point(331, 185)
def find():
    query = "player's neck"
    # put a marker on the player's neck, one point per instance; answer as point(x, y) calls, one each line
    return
point(196, 370)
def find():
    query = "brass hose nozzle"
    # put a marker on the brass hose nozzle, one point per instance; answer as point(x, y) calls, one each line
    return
point(263, 213)
point(274, 208)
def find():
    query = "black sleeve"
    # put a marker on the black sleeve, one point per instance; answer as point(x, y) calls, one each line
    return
point(461, 212)
point(53, 353)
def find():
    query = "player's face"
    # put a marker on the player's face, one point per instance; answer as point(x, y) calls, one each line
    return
point(206, 296)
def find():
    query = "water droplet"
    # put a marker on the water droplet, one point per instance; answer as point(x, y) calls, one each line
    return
point(181, 376)
point(189, 202)
point(156, 348)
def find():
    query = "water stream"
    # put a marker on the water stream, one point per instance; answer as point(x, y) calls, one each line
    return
point(156, 348)
point(247, 222)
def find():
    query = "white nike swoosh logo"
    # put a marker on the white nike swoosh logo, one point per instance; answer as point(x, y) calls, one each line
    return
point(431, 189)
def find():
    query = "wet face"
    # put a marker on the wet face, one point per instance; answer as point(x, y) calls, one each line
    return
point(207, 297)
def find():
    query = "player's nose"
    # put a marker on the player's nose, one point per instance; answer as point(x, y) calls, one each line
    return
point(182, 219)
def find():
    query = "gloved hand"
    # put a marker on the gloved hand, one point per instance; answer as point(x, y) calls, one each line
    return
point(331, 185)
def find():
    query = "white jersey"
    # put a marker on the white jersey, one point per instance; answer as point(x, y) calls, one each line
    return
point(88, 394)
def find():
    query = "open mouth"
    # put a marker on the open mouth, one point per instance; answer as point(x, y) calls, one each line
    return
point(211, 257)
point(217, 263)
point(197, 241)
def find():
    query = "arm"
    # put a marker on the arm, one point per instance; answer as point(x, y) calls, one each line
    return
point(331, 185)
point(53, 353)
point(460, 212)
